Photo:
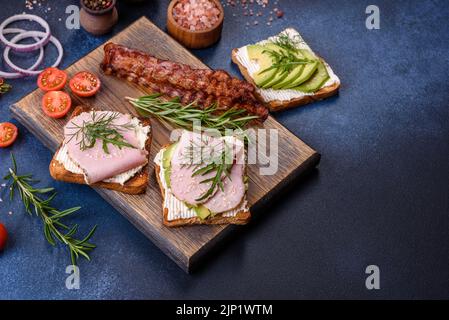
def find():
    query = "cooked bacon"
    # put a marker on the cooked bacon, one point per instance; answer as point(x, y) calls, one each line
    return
point(203, 86)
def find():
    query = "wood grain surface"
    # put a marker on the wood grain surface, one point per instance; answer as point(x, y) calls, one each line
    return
point(187, 245)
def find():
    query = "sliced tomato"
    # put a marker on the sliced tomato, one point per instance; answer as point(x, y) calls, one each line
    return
point(8, 134)
point(56, 104)
point(3, 237)
point(85, 84)
point(52, 79)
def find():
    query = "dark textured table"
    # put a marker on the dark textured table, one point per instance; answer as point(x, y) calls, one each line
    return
point(380, 195)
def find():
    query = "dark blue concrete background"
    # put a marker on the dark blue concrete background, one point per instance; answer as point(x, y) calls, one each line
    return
point(380, 195)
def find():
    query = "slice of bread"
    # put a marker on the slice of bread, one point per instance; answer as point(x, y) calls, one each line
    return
point(136, 185)
point(278, 105)
point(240, 218)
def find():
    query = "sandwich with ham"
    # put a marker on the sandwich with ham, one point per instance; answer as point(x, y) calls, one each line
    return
point(203, 180)
point(104, 149)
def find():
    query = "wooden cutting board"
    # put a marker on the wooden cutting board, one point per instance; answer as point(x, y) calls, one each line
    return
point(185, 245)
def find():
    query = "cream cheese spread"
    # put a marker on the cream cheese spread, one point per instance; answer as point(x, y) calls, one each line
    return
point(288, 94)
point(176, 208)
point(62, 156)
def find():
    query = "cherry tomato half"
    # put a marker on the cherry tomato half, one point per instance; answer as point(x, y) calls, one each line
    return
point(85, 84)
point(8, 134)
point(3, 237)
point(56, 104)
point(52, 79)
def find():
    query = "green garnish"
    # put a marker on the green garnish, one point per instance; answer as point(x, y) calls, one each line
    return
point(101, 127)
point(284, 61)
point(215, 159)
point(4, 87)
point(185, 116)
point(287, 43)
point(51, 217)
point(287, 59)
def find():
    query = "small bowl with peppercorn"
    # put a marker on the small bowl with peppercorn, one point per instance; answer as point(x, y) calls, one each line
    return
point(98, 16)
point(195, 23)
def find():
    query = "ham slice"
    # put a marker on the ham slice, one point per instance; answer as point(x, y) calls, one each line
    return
point(189, 189)
point(185, 187)
point(234, 188)
point(95, 163)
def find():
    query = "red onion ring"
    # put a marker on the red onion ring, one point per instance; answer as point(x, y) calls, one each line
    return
point(28, 34)
point(15, 75)
point(26, 47)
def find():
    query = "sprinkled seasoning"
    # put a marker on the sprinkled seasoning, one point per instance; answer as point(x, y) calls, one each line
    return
point(253, 9)
point(31, 4)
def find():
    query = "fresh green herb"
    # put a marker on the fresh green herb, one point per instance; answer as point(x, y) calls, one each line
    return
point(101, 127)
point(287, 58)
point(286, 42)
point(185, 116)
point(284, 61)
point(215, 158)
point(51, 217)
point(4, 87)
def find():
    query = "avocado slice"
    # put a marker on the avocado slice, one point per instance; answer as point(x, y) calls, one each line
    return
point(294, 73)
point(166, 162)
point(307, 72)
point(202, 212)
point(278, 76)
point(256, 53)
point(316, 81)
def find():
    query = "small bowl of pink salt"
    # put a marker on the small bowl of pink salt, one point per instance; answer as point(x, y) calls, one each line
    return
point(195, 23)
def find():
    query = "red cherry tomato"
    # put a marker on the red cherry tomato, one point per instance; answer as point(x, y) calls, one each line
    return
point(3, 237)
point(8, 134)
point(52, 79)
point(85, 84)
point(56, 104)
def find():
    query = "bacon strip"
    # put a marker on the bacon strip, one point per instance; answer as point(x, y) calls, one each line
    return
point(179, 80)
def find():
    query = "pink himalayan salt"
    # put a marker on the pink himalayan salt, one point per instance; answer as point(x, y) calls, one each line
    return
point(196, 15)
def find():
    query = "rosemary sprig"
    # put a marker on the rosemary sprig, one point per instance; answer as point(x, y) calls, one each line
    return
point(101, 127)
point(51, 217)
point(215, 158)
point(185, 116)
point(284, 61)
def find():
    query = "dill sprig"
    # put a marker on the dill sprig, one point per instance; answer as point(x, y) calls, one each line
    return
point(286, 59)
point(286, 42)
point(51, 217)
point(101, 127)
point(184, 116)
point(215, 158)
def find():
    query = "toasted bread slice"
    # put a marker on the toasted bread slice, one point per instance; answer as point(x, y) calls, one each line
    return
point(241, 217)
point(278, 105)
point(135, 185)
